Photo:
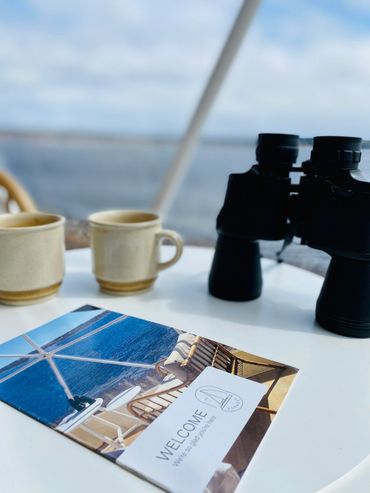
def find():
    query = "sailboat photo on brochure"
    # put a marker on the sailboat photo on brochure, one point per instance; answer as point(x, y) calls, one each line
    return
point(112, 382)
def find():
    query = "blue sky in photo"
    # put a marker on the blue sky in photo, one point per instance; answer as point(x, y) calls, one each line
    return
point(18, 345)
point(61, 325)
point(45, 333)
point(138, 66)
point(36, 390)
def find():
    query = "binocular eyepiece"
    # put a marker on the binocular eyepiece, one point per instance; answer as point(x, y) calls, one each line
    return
point(328, 210)
point(277, 149)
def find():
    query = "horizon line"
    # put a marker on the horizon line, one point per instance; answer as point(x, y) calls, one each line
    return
point(105, 136)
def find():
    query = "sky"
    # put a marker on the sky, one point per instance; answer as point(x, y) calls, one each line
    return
point(138, 67)
point(44, 334)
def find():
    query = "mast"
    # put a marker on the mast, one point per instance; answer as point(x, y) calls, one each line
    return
point(188, 143)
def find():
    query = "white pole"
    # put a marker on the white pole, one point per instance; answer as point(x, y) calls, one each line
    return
point(60, 378)
point(33, 344)
point(16, 372)
point(188, 143)
point(53, 366)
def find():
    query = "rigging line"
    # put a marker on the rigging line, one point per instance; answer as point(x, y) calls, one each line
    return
point(19, 355)
point(28, 365)
point(60, 379)
point(105, 361)
point(85, 336)
point(33, 344)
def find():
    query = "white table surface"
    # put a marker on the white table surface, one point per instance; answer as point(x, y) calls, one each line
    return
point(321, 432)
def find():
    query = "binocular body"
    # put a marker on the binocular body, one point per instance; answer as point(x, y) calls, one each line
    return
point(328, 210)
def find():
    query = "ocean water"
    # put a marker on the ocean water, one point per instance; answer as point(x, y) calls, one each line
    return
point(75, 177)
point(36, 391)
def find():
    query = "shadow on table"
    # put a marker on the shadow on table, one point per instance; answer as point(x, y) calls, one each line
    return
point(190, 295)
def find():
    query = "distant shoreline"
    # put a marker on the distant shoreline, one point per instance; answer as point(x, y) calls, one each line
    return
point(78, 136)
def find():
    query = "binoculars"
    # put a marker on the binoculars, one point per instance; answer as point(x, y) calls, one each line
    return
point(328, 209)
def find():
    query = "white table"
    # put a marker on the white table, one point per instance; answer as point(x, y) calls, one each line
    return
point(321, 432)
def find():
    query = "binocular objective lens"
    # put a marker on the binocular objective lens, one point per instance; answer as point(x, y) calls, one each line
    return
point(341, 153)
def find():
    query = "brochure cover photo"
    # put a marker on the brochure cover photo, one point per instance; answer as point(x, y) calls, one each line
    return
point(119, 385)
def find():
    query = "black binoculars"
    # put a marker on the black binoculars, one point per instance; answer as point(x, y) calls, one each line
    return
point(328, 210)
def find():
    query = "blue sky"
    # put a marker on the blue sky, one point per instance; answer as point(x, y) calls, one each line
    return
point(138, 66)
point(45, 333)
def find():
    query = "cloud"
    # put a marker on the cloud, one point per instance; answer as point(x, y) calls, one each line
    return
point(308, 75)
point(123, 56)
point(139, 66)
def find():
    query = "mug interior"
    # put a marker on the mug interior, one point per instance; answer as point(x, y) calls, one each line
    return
point(25, 220)
point(122, 217)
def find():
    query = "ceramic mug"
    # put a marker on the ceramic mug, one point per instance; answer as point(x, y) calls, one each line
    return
point(125, 248)
point(31, 256)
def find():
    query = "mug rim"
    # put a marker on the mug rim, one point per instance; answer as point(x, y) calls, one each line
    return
point(55, 221)
point(101, 218)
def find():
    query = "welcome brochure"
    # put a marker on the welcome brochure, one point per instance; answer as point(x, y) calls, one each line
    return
point(181, 410)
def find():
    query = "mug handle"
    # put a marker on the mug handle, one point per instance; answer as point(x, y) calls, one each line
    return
point(175, 239)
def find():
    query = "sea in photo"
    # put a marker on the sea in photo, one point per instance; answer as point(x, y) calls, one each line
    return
point(30, 385)
point(101, 378)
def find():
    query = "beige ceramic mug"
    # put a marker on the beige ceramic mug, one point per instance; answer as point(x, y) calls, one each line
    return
point(31, 256)
point(125, 249)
